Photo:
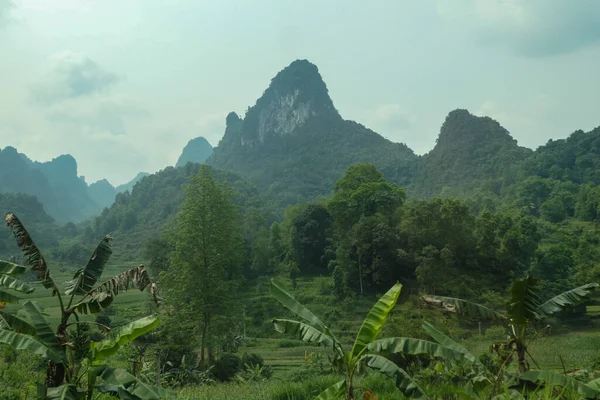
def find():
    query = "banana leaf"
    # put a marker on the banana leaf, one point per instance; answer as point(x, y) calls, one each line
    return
point(304, 332)
point(32, 254)
point(550, 378)
point(404, 382)
point(121, 336)
point(333, 392)
point(373, 323)
point(86, 277)
point(566, 299)
point(413, 346)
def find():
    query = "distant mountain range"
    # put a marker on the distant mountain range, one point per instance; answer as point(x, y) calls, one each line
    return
point(292, 145)
point(64, 195)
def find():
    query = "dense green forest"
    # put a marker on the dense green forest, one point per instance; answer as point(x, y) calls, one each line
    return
point(473, 267)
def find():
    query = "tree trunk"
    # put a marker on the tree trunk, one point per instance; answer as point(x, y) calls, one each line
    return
point(206, 340)
point(203, 345)
point(350, 390)
point(55, 374)
point(360, 275)
point(521, 350)
point(211, 357)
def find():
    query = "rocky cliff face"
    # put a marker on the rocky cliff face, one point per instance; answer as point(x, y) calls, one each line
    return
point(295, 95)
point(293, 142)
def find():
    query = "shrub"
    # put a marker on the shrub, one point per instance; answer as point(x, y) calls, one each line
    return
point(252, 359)
point(495, 333)
point(227, 366)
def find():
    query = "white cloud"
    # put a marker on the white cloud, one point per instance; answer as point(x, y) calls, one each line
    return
point(109, 114)
point(71, 75)
point(532, 28)
point(392, 121)
point(393, 117)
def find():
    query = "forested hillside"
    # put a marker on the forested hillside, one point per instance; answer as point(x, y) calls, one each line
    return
point(143, 215)
point(294, 144)
point(469, 152)
point(292, 147)
point(295, 192)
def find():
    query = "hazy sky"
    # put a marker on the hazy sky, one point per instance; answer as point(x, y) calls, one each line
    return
point(124, 84)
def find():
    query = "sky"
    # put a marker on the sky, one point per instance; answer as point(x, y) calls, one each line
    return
point(123, 85)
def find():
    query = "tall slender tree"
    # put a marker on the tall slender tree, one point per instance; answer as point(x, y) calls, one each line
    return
point(205, 264)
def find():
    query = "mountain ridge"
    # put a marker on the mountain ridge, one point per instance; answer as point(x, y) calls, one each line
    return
point(293, 145)
point(197, 150)
point(295, 113)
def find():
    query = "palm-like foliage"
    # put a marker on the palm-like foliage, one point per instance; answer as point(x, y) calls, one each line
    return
point(524, 307)
point(367, 349)
point(24, 326)
point(8, 284)
point(590, 390)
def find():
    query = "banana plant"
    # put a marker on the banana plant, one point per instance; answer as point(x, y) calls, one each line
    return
point(589, 390)
point(23, 326)
point(367, 350)
point(523, 308)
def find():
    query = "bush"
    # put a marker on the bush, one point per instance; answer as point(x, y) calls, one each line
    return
point(495, 333)
point(252, 359)
point(227, 366)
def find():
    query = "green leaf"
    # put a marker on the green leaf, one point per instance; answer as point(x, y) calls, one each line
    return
point(19, 341)
point(93, 304)
point(42, 330)
point(291, 304)
point(414, 347)
point(14, 323)
point(6, 297)
point(303, 331)
point(120, 378)
point(524, 301)
point(103, 295)
point(33, 255)
point(8, 268)
point(63, 392)
point(553, 379)
point(116, 391)
point(566, 299)
point(86, 277)
point(333, 392)
point(121, 336)
point(463, 307)
point(449, 343)
point(11, 283)
point(595, 384)
point(404, 382)
point(375, 320)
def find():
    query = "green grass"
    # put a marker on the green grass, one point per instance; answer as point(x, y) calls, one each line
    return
point(593, 311)
point(280, 390)
point(576, 349)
